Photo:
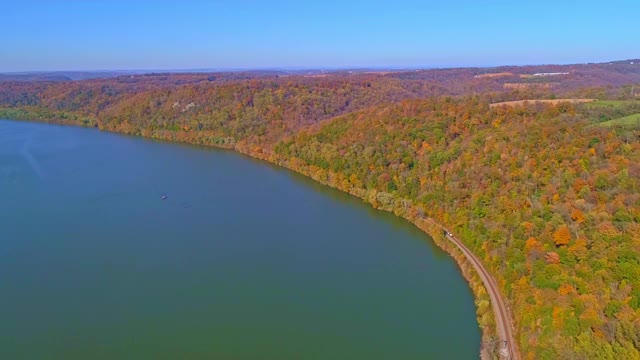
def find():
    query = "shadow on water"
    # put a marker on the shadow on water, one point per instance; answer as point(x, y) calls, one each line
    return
point(396, 222)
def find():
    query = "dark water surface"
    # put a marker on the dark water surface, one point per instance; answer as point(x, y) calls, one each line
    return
point(243, 260)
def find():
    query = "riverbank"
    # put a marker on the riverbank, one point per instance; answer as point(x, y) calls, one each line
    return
point(380, 200)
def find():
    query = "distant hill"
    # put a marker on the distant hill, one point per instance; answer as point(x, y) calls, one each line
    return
point(585, 72)
point(59, 75)
point(33, 77)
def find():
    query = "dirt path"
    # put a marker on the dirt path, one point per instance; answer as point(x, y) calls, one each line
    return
point(509, 349)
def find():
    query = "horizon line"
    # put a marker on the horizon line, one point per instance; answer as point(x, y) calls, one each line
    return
point(303, 68)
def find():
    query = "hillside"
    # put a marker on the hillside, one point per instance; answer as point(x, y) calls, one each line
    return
point(552, 207)
point(549, 201)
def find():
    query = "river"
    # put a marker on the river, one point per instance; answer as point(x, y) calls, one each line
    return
point(241, 260)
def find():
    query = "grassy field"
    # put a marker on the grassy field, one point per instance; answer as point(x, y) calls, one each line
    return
point(544, 101)
point(609, 103)
point(609, 113)
point(631, 120)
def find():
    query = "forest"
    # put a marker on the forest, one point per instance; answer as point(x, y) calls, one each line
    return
point(547, 195)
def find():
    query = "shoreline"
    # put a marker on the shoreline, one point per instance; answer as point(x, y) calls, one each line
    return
point(478, 284)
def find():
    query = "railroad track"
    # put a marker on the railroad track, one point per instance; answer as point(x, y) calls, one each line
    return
point(509, 348)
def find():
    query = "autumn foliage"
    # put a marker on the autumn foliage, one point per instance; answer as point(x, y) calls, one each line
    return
point(549, 202)
point(562, 236)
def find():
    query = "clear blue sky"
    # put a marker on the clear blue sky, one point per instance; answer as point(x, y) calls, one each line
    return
point(91, 35)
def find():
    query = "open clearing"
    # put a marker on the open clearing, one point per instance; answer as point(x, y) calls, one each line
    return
point(611, 103)
point(623, 121)
point(493, 75)
point(554, 102)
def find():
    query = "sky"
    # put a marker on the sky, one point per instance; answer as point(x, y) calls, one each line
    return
point(55, 35)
